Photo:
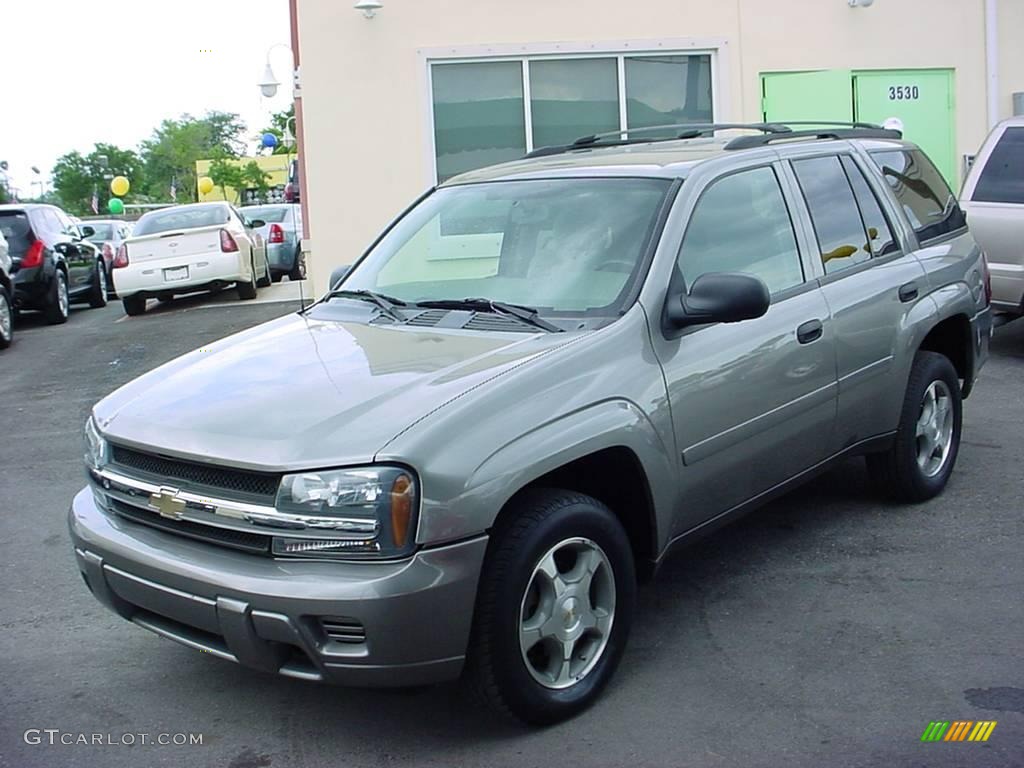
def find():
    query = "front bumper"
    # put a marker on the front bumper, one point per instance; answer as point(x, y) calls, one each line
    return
point(266, 613)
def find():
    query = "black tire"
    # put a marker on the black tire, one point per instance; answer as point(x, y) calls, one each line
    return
point(277, 276)
point(134, 305)
point(57, 308)
point(898, 472)
point(298, 270)
point(98, 294)
point(6, 318)
point(496, 668)
point(247, 290)
point(267, 279)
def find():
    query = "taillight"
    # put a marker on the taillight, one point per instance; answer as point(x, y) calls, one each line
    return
point(289, 193)
point(121, 258)
point(107, 251)
point(33, 256)
point(276, 234)
point(227, 242)
point(986, 277)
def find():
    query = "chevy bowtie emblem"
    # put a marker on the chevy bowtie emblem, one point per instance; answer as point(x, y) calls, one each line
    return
point(166, 502)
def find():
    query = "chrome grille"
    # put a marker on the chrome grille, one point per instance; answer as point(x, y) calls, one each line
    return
point(249, 542)
point(343, 629)
point(166, 469)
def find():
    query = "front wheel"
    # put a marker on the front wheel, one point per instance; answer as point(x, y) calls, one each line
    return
point(98, 294)
point(918, 464)
point(134, 305)
point(6, 319)
point(266, 279)
point(554, 607)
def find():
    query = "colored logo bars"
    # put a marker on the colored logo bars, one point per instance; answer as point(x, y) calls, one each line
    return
point(958, 730)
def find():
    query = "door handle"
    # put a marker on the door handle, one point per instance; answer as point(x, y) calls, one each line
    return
point(908, 291)
point(809, 331)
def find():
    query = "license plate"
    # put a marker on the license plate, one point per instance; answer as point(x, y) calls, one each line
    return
point(175, 273)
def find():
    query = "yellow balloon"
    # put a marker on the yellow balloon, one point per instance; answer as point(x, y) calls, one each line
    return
point(205, 185)
point(119, 186)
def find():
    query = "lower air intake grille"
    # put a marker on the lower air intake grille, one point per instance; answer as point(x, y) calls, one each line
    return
point(166, 469)
point(342, 629)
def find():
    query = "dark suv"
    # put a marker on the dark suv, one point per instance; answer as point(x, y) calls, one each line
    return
point(52, 264)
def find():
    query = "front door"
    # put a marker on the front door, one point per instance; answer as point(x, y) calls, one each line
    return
point(753, 403)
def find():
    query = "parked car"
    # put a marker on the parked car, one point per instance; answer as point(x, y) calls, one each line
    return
point(108, 234)
point(53, 265)
point(189, 248)
point(293, 190)
point(282, 232)
point(993, 198)
point(6, 295)
point(541, 379)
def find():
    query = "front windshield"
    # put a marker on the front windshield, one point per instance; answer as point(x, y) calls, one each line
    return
point(558, 245)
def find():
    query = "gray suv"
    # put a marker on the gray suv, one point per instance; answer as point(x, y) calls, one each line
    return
point(538, 381)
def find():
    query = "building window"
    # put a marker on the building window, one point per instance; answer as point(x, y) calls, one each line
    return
point(492, 111)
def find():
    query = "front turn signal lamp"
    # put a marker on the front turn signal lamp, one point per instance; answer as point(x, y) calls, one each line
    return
point(358, 513)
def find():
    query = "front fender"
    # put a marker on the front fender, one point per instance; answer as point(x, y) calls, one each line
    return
point(499, 476)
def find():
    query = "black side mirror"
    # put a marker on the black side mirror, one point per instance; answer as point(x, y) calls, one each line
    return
point(719, 297)
point(256, 224)
point(88, 231)
point(337, 276)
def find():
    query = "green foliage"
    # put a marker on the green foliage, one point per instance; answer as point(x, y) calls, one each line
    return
point(227, 174)
point(77, 176)
point(175, 145)
point(254, 177)
point(279, 122)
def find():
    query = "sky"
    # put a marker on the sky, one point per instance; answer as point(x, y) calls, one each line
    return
point(77, 72)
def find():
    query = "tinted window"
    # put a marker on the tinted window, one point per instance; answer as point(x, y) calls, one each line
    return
point(879, 232)
point(181, 218)
point(741, 224)
point(921, 192)
point(15, 228)
point(1002, 179)
point(103, 231)
point(275, 214)
point(837, 224)
point(572, 98)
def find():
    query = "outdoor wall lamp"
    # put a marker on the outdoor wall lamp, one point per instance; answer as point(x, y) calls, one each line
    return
point(860, 3)
point(269, 83)
point(369, 7)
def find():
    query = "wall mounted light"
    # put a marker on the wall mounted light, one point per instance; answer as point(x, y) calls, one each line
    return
point(860, 3)
point(369, 7)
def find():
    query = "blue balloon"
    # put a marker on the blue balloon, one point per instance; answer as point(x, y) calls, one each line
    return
point(269, 140)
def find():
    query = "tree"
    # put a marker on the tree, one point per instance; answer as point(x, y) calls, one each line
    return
point(171, 152)
point(256, 178)
point(76, 177)
point(279, 123)
point(226, 173)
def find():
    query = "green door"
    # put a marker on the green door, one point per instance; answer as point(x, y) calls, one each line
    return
point(803, 96)
point(923, 100)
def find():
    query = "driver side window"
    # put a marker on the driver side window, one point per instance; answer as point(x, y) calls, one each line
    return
point(741, 224)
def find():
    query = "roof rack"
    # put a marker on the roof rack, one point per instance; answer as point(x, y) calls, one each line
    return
point(769, 132)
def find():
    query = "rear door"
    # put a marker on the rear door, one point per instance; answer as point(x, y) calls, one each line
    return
point(79, 254)
point(871, 283)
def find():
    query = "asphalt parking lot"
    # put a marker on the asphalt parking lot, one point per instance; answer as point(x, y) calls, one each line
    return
point(827, 629)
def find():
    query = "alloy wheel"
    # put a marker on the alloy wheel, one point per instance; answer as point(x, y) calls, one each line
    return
point(6, 322)
point(934, 431)
point(62, 293)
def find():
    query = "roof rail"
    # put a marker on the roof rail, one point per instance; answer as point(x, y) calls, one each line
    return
point(685, 131)
point(864, 132)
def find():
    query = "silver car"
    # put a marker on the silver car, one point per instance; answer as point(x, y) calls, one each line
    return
point(542, 379)
point(282, 232)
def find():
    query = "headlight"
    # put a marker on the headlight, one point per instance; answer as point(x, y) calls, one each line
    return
point(95, 446)
point(375, 507)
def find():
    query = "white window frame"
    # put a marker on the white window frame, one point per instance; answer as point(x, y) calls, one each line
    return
point(716, 48)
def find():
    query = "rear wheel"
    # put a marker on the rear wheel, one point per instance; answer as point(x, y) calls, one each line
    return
point(134, 305)
point(248, 290)
point(918, 464)
point(59, 303)
point(98, 294)
point(554, 607)
point(298, 271)
point(6, 319)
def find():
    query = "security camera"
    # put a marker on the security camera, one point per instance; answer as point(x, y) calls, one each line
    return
point(369, 7)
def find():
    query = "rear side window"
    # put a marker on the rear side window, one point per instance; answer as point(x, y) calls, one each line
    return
point(1002, 178)
point(880, 237)
point(741, 224)
point(842, 241)
point(921, 191)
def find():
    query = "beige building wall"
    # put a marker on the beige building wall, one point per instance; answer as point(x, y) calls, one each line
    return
point(364, 85)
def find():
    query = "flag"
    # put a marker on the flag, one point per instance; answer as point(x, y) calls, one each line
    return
point(95, 201)
point(174, 192)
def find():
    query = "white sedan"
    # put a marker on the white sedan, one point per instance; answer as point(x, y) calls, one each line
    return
point(188, 248)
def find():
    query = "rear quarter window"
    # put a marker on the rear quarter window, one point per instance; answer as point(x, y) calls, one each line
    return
point(1002, 178)
point(922, 193)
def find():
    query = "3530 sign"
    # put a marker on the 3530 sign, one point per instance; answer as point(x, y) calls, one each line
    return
point(904, 93)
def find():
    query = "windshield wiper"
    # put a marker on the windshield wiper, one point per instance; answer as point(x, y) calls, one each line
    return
point(385, 303)
point(528, 315)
